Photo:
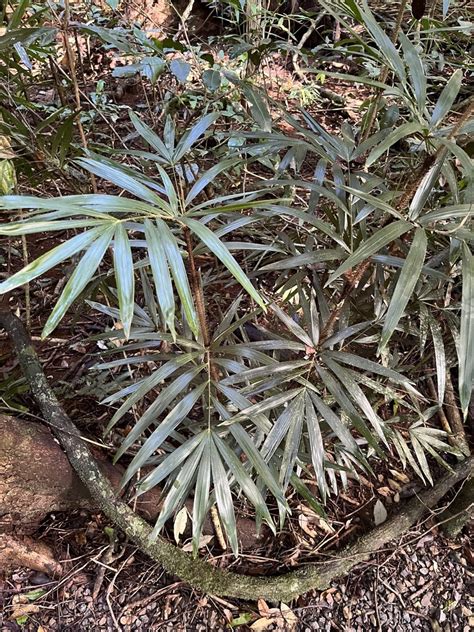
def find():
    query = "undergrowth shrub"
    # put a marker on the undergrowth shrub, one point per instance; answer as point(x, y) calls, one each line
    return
point(273, 328)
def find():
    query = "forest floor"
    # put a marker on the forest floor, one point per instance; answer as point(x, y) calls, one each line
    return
point(422, 582)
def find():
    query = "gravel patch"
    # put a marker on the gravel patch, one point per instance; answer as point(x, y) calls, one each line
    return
point(426, 583)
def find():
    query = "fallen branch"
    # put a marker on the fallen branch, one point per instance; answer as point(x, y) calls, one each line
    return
point(28, 552)
point(460, 512)
point(197, 572)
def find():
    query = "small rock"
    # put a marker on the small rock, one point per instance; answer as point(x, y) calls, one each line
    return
point(426, 600)
point(37, 579)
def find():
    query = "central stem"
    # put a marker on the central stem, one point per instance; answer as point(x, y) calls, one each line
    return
point(196, 288)
point(198, 294)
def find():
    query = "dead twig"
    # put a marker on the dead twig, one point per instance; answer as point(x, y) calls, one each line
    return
point(141, 603)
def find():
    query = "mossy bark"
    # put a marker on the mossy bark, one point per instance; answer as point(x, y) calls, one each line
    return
point(197, 572)
point(460, 511)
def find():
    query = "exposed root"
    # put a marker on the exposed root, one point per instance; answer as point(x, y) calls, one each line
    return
point(27, 552)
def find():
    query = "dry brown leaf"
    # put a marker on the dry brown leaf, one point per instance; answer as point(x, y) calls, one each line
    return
point(305, 525)
point(307, 511)
point(24, 610)
point(400, 476)
point(263, 609)
point(262, 624)
point(289, 616)
point(380, 513)
point(348, 499)
point(394, 485)
point(203, 541)
point(325, 526)
point(180, 522)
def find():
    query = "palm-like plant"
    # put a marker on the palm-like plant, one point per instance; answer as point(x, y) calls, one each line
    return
point(356, 272)
point(169, 218)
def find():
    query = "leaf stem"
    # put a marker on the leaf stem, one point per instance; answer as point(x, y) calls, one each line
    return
point(374, 107)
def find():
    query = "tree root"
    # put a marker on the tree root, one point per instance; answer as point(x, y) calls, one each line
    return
point(197, 572)
point(27, 552)
point(460, 512)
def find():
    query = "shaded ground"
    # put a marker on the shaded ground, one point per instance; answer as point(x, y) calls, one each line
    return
point(422, 583)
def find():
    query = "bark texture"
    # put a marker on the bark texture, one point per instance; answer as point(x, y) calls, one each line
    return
point(197, 572)
point(27, 552)
point(461, 510)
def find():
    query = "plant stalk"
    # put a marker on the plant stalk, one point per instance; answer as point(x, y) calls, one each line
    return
point(429, 161)
point(372, 115)
point(454, 416)
point(72, 69)
point(198, 294)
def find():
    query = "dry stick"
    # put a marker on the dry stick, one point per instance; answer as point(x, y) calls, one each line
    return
point(384, 74)
point(442, 416)
point(57, 83)
point(184, 17)
point(77, 95)
point(26, 287)
point(197, 572)
point(452, 411)
point(330, 95)
point(216, 521)
point(92, 105)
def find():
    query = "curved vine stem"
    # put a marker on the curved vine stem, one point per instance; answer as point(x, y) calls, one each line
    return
point(197, 572)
